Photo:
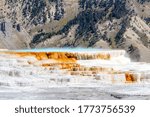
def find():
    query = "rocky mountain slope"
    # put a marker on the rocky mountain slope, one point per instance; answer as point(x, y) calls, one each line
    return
point(121, 24)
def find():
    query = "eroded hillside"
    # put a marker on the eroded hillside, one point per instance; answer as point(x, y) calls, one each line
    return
point(122, 24)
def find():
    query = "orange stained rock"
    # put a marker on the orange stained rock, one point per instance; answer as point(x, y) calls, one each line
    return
point(46, 65)
point(129, 77)
point(71, 55)
point(94, 72)
point(74, 73)
point(53, 55)
point(41, 55)
point(59, 56)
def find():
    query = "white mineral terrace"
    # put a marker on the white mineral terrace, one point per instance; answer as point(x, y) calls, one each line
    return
point(108, 65)
point(30, 70)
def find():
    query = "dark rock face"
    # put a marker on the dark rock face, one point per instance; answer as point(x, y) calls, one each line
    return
point(143, 1)
point(18, 27)
point(37, 8)
point(119, 9)
point(34, 8)
point(36, 12)
point(59, 10)
point(147, 20)
point(2, 27)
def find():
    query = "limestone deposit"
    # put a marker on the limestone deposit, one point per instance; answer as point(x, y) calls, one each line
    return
point(106, 65)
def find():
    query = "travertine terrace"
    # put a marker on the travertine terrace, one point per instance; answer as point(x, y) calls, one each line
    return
point(112, 66)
